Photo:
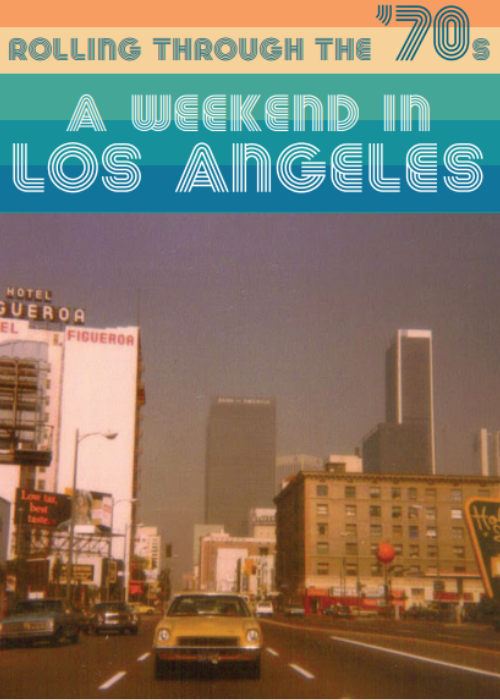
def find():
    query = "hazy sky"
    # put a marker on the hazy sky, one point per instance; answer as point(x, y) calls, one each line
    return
point(297, 307)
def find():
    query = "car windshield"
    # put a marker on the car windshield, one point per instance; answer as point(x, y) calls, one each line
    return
point(111, 607)
point(39, 606)
point(224, 606)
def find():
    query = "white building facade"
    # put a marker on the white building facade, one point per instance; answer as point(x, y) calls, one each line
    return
point(89, 386)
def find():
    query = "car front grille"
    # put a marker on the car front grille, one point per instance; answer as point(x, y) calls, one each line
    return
point(208, 641)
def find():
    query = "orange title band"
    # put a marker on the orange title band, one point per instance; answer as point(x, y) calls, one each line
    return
point(223, 13)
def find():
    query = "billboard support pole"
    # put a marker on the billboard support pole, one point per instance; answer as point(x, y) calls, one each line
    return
point(78, 439)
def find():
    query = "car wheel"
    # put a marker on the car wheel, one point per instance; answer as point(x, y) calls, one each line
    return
point(73, 638)
point(253, 670)
point(163, 669)
point(56, 638)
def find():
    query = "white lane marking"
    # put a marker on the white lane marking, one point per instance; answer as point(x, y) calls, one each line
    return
point(416, 657)
point(112, 680)
point(144, 656)
point(302, 671)
point(272, 652)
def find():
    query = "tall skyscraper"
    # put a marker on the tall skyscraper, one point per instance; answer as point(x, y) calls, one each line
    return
point(240, 461)
point(405, 442)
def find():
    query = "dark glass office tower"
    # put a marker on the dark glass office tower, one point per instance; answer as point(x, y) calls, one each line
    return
point(405, 442)
point(240, 461)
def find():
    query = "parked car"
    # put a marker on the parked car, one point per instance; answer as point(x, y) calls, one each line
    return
point(294, 611)
point(338, 611)
point(143, 608)
point(113, 617)
point(264, 609)
point(41, 619)
point(208, 629)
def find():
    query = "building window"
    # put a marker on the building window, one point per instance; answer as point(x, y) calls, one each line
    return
point(322, 490)
point(373, 549)
point(413, 494)
point(350, 492)
point(375, 530)
point(414, 551)
point(351, 568)
point(414, 571)
point(413, 512)
point(321, 508)
point(375, 492)
point(376, 568)
point(413, 532)
point(459, 552)
point(457, 533)
point(432, 551)
point(396, 492)
point(431, 532)
point(397, 530)
point(322, 547)
point(397, 511)
point(456, 514)
point(430, 494)
point(351, 548)
point(322, 568)
point(351, 529)
point(375, 511)
point(398, 571)
point(398, 550)
point(40, 485)
point(456, 495)
point(431, 513)
point(322, 529)
point(350, 511)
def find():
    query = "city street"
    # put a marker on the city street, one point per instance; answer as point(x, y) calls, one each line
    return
point(304, 658)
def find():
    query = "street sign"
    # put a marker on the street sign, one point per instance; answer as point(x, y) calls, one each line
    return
point(483, 521)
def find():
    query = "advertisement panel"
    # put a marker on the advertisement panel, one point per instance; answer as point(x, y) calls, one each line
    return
point(47, 511)
point(40, 509)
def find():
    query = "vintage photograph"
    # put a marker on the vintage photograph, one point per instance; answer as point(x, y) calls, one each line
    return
point(249, 455)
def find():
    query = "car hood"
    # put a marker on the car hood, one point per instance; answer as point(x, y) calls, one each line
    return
point(26, 617)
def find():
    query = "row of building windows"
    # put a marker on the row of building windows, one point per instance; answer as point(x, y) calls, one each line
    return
point(412, 493)
point(375, 511)
point(351, 530)
point(323, 568)
point(413, 550)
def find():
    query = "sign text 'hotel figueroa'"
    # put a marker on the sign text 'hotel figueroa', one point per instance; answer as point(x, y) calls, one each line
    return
point(37, 305)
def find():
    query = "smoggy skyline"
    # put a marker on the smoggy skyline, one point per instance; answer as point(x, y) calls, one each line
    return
point(295, 307)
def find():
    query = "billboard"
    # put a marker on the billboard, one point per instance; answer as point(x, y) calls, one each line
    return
point(44, 510)
point(483, 521)
point(41, 509)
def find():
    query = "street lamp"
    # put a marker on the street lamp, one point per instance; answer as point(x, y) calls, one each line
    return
point(110, 549)
point(78, 440)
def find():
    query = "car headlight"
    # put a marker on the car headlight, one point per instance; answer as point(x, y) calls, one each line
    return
point(253, 636)
point(163, 635)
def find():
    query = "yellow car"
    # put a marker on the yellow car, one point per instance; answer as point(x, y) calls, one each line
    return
point(142, 608)
point(209, 629)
